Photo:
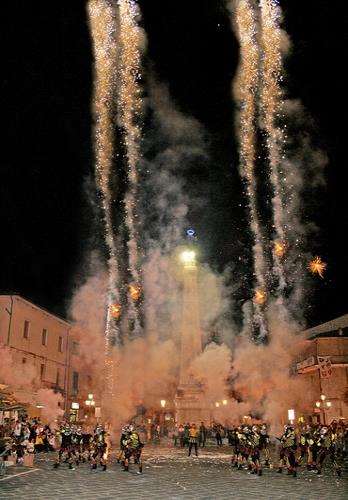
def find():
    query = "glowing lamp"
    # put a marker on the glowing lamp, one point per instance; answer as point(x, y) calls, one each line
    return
point(163, 403)
point(323, 397)
point(224, 402)
point(317, 404)
point(217, 404)
point(134, 292)
point(188, 257)
point(90, 396)
point(328, 404)
point(88, 402)
point(75, 406)
point(190, 232)
point(291, 415)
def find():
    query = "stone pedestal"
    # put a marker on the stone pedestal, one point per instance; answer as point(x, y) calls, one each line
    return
point(191, 405)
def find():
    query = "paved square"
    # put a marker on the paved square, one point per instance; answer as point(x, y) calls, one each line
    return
point(169, 474)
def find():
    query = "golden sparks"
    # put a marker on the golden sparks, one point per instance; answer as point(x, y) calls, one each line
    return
point(279, 248)
point(271, 105)
point(260, 297)
point(246, 86)
point(130, 105)
point(115, 310)
point(135, 292)
point(317, 266)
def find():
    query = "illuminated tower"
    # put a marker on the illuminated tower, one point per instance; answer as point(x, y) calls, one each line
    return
point(191, 337)
point(189, 400)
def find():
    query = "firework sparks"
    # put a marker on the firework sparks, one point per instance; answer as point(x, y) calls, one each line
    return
point(130, 104)
point(317, 266)
point(103, 23)
point(279, 249)
point(135, 292)
point(271, 103)
point(260, 297)
point(246, 91)
point(115, 310)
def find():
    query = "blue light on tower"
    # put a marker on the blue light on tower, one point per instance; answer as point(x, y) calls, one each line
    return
point(191, 233)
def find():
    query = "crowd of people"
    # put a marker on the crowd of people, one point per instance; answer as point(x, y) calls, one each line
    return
point(310, 445)
point(307, 445)
point(23, 437)
point(80, 444)
point(253, 448)
point(183, 434)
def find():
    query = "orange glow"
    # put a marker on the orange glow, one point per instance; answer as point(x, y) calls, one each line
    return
point(260, 297)
point(115, 310)
point(279, 248)
point(134, 291)
point(317, 266)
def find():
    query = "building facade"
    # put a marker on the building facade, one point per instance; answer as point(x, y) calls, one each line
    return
point(323, 366)
point(46, 346)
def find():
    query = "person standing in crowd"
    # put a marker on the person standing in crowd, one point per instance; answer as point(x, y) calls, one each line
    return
point(202, 435)
point(218, 435)
point(186, 434)
point(181, 432)
point(193, 439)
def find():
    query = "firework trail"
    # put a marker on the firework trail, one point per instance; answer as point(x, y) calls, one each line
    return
point(130, 104)
point(271, 104)
point(103, 29)
point(246, 93)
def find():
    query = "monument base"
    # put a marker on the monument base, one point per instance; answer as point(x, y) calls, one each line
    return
point(191, 405)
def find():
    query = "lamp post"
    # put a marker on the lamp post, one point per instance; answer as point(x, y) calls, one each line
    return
point(323, 405)
point(90, 403)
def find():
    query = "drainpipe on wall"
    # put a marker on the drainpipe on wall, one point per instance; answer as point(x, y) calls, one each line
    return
point(10, 321)
point(66, 378)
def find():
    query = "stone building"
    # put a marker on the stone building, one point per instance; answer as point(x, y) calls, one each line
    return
point(324, 368)
point(46, 346)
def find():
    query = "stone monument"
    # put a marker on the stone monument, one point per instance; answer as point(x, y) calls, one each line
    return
point(189, 400)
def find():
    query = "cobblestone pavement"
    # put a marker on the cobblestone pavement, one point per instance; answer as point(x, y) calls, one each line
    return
point(168, 474)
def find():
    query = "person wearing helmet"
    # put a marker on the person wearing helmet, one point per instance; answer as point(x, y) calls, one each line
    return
point(264, 444)
point(99, 448)
point(327, 445)
point(287, 451)
point(254, 455)
point(124, 436)
point(132, 448)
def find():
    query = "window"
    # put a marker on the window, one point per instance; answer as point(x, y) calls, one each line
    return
point(26, 329)
point(75, 383)
point(60, 344)
point(24, 360)
point(42, 371)
point(44, 337)
point(75, 347)
point(58, 377)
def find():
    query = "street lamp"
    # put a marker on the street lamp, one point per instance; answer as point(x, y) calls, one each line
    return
point(224, 402)
point(322, 405)
point(163, 403)
point(188, 258)
point(217, 404)
point(291, 415)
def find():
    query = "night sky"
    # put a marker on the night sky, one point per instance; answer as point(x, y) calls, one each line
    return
point(48, 220)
